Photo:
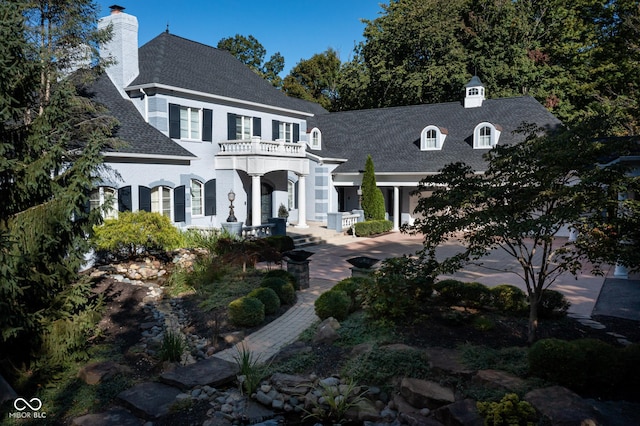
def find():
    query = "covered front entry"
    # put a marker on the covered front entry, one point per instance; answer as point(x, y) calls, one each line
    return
point(257, 158)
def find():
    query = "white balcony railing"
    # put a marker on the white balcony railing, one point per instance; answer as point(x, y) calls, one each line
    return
point(257, 146)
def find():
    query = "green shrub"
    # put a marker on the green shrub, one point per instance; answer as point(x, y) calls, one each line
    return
point(280, 243)
point(553, 304)
point(476, 295)
point(509, 299)
point(454, 292)
point(399, 289)
point(509, 411)
point(372, 198)
point(269, 299)
point(134, 233)
point(352, 286)
point(333, 304)
point(246, 312)
point(283, 289)
point(587, 366)
point(282, 273)
point(554, 360)
point(372, 227)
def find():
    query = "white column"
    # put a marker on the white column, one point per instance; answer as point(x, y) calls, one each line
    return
point(302, 202)
point(396, 208)
point(256, 214)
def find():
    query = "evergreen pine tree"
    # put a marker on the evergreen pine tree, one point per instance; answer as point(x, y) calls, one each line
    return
point(372, 198)
point(50, 155)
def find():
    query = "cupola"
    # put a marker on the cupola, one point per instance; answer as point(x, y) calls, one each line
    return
point(474, 93)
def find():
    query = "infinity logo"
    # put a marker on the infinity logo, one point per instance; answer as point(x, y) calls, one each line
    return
point(21, 404)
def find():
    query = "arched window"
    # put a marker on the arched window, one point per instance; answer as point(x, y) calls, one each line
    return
point(432, 138)
point(486, 135)
point(315, 139)
point(474, 91)
point(161, 200)
point(197, 192)
point(105, 198)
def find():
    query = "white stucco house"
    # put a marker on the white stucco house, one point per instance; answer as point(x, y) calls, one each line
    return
point(197, 123)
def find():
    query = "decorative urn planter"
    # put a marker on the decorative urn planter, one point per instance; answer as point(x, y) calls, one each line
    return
point(363, 262)
point(298, 266)
point(298, 255)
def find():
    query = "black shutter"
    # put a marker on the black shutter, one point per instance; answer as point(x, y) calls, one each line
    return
point(257, 126)
point(179, 204)
point(296, 132)
point(124, 199)
point(174, 121)
point(210, 198)
point(207, 125)
point(295, 190)
point(275, 129)
point(231, 126)
point(144, 198)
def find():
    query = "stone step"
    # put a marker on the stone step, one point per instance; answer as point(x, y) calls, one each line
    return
point(307, 240)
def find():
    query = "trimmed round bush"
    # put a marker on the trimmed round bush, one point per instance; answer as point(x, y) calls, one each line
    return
point(351, 286)
point(553, 304)
point(449, 292)
point(284, 274)
point(246, 311)
point(475, 294)
point(333, 304)
point(283, 289)
point(269, 299)
point(509, 299)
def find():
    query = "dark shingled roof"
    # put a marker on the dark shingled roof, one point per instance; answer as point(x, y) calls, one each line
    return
point(392, 135)
point(178, 62)
point(140, 137)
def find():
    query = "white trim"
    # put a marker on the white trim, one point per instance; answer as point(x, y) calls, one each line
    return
point(440, 137)
point(317, 146)
point(320, 159)
point(151, 156)
point(493, 137)
point(216, 97)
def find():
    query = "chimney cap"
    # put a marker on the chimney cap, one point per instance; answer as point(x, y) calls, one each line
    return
point(116, 8)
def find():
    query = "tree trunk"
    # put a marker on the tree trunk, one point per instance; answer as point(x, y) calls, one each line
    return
point(533, 319)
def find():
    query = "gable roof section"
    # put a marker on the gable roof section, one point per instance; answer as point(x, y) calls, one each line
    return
point(392, 135)
point(177, 62)
point(139, 136)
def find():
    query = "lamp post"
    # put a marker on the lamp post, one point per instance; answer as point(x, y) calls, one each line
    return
point(232, 217)
point(359, 198)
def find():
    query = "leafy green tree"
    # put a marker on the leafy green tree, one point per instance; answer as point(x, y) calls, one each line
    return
point(372, 198)
point(411, 54)
point(315, 79)
point(251, 52)
point(529, 192)
point(50, 144)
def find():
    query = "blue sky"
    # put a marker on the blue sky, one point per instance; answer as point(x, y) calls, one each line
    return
point(296, 28)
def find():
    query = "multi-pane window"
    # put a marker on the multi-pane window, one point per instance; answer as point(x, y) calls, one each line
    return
point(484, 139)
point(291, 192)
point(105, 198)
point(431, 139)
point(286, 132)
point(196, 197)
point(161, 200)
point(189, 123)
point(244, 127)
point(315, 139)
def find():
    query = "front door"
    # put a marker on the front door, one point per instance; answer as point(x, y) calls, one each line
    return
point(266, 201)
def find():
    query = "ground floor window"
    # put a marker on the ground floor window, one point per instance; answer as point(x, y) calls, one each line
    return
point(196, 197)
point(291, 192)
point(161, 200)
point(107, 199)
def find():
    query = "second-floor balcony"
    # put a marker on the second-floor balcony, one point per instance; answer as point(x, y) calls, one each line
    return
point(257, 146)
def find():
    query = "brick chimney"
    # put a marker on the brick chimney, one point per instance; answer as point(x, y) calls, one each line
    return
point(122, 49)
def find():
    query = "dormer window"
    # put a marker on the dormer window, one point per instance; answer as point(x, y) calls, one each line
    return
point(485, 136)
point(315, 139)
point(432, 138)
